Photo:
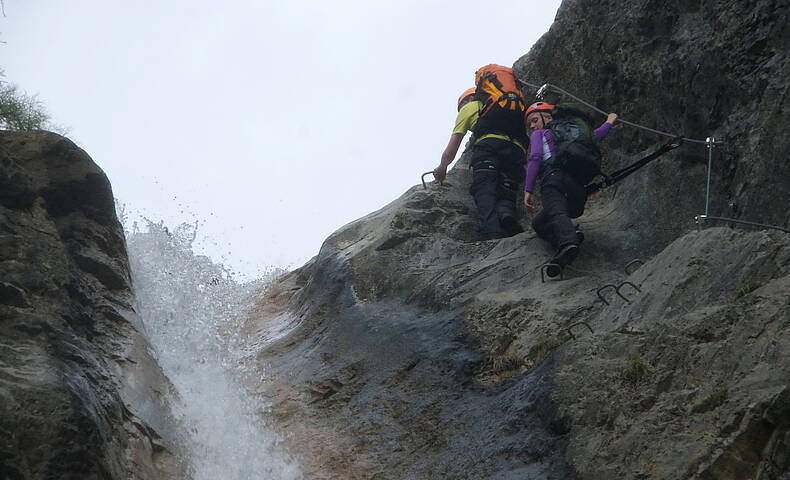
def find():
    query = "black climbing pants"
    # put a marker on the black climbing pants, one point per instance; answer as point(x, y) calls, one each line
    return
point(498, 169)
point(563, 198)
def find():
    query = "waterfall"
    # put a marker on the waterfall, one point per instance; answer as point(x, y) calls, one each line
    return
point(191, 308)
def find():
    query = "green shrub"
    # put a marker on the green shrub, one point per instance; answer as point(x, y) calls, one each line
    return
point(543, 347)
point(20, 111)
point(635, 369)
point(748, 287)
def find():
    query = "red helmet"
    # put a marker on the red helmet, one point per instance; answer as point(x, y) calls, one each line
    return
point(540, 107)
point(467, 93)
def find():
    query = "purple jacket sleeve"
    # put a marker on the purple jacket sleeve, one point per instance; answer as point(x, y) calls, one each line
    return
point(536, 151)
point(536, 156)
point(602, 131)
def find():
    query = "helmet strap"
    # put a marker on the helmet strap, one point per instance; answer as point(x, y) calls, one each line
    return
point(542, 119)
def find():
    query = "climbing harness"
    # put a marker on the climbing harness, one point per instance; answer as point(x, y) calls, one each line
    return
point(619, 175)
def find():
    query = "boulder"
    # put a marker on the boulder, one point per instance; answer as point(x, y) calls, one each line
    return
point(407, 348)
point(82, 397)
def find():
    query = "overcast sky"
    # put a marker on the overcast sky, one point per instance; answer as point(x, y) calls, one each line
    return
point(272, 123)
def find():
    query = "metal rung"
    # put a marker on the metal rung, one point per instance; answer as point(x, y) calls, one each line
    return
point(543, 269)
point(633, 262)
point(570, 327)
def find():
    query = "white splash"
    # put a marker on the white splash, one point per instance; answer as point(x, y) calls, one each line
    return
point(191, 308)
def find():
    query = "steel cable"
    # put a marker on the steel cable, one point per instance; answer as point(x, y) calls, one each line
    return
point(542, 89)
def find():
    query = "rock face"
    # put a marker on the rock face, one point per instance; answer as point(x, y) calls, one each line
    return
point(701, 68)
point(402, 354)
point(408, 349)
point(80, 395)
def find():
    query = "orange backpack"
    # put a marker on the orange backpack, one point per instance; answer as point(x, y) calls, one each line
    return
point(503, 103)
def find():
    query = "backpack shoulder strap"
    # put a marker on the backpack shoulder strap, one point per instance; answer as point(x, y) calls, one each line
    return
point(573, 113)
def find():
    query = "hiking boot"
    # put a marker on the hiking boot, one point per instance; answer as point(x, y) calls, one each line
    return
point(511, 226)
point(566, 255)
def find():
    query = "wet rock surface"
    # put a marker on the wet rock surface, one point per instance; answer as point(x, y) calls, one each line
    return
point(442, 358)
point(409, 349)
point(80, 395)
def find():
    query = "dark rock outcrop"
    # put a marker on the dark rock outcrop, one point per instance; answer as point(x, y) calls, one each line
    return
point(80, 395)
point(698, 68)
point(407, 349)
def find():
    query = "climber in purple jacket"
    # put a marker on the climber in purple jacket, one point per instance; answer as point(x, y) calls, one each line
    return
point(563, 196)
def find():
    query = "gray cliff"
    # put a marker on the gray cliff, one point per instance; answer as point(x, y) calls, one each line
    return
point(696, 68)
point(408, 349)
point(80, 395)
